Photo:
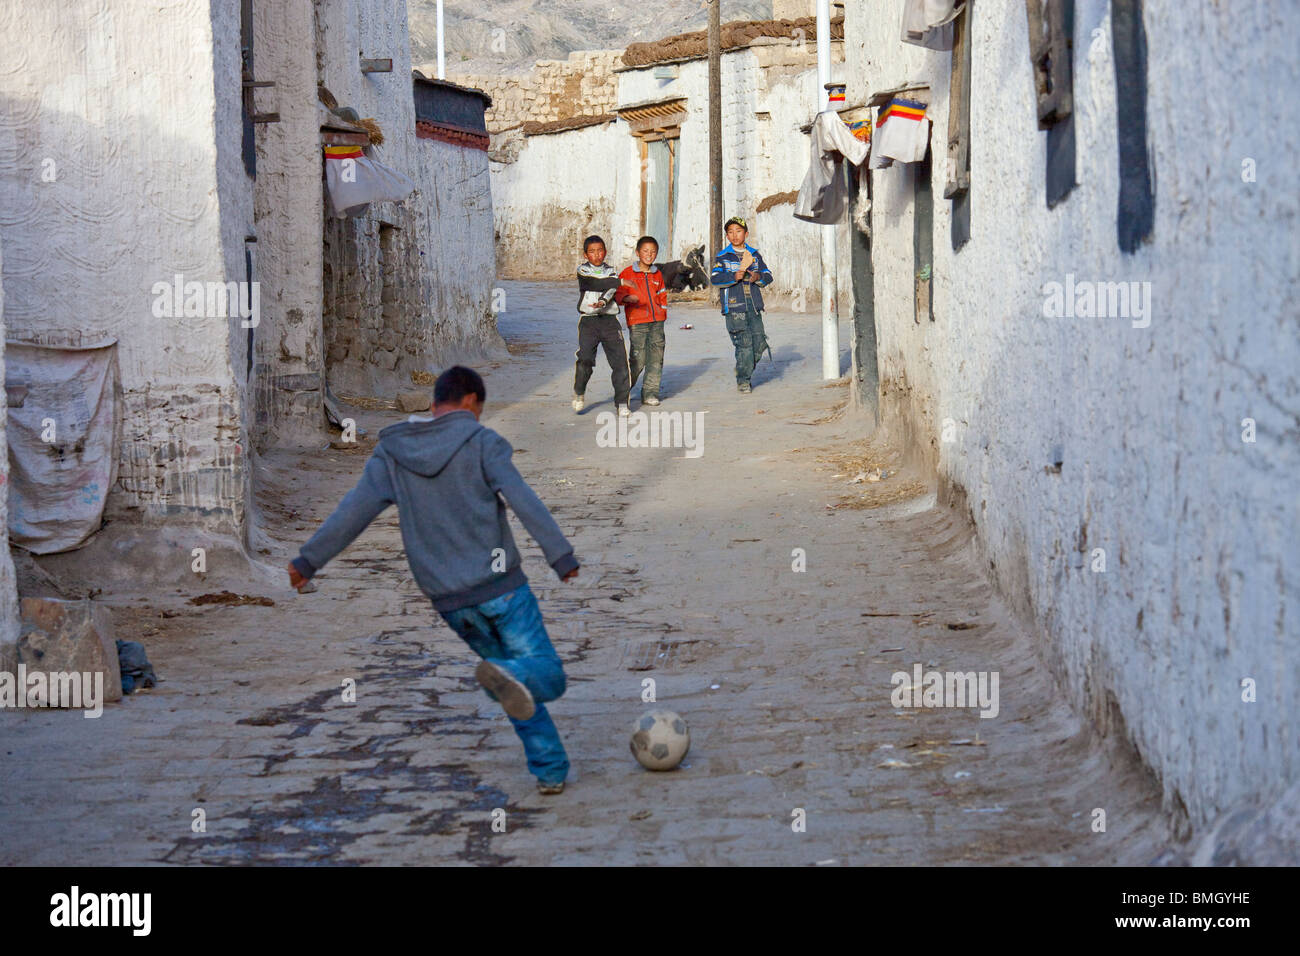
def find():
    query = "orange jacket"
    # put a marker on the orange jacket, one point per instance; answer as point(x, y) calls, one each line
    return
point(651, 292)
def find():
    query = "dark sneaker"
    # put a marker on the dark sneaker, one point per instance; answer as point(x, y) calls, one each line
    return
point(550, 789)
point(509, 692)
point(743, 387)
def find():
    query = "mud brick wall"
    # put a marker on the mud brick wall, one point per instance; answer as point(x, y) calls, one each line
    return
point(407, 287)
point(582, 85)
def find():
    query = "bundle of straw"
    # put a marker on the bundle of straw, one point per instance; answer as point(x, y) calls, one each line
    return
point(372, 127)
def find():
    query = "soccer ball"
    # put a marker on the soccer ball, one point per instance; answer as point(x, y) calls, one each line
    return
point(660, 740)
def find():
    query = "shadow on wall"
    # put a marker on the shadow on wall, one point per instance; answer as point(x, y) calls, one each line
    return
point(95, 217)
point(1119, 542)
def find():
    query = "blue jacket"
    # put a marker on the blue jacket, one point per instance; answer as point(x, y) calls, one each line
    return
point(448, 477)
point(739, 296)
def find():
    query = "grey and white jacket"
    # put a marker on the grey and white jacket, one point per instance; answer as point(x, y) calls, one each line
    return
point(596, 288)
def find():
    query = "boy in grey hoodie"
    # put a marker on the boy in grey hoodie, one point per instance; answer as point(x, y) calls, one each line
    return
point(448, 474)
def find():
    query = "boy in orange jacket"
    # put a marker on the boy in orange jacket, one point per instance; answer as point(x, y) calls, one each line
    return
point(645, 300)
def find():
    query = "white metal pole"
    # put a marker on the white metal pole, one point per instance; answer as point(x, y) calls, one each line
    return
point(442, 61)
point(830, 315)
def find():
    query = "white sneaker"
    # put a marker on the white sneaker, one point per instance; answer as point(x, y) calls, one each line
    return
point(623, 410)
point(515, 699)
point(579, 403)
point(650, 401)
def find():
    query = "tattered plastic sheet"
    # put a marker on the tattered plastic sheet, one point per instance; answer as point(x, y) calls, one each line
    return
point(61, 432)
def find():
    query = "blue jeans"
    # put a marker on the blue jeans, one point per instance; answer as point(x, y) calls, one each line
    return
point(508, 631)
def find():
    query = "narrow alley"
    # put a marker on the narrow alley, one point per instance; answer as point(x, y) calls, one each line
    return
point(688, 579)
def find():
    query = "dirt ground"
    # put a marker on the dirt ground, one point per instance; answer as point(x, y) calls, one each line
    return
point(782, 675)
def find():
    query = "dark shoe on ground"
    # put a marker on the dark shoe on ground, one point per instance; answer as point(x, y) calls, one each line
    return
point(550, 789)
point(513, 696)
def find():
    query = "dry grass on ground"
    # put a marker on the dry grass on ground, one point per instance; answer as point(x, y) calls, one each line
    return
point(872, 475)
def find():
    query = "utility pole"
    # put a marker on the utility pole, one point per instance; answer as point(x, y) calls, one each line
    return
point(830, 314)
point(442, 62)
point(715, 125)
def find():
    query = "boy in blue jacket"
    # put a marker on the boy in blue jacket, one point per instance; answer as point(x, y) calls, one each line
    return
point(740, 271)
point(448, 474)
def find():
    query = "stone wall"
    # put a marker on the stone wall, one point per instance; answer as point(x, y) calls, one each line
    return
point(1077, 441)
point(582, 85)
point(407, 287)
point(412, 292)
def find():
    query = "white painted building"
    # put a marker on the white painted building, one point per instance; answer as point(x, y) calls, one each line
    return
point(141, 143)
point(645, 169)
point(1131, 471)
point(120, 168)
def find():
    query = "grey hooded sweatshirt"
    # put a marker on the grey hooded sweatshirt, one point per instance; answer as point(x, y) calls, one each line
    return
point(448, 477)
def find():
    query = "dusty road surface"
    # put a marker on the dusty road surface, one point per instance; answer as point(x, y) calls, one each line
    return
point(248, 753)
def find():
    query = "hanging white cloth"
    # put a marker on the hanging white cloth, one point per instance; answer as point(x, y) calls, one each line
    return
point(824, 195)
point(928, 23)
point(902, 133)
point(354, 179)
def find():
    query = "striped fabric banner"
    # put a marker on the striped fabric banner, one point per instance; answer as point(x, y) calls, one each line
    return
point(343, 152)
point(901, 109)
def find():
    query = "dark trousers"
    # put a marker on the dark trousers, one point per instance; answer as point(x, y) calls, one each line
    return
point(747, 335)
point(594, 331)
point(648, 355)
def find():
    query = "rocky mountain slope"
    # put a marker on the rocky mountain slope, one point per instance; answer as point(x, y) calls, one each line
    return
point(506, 36)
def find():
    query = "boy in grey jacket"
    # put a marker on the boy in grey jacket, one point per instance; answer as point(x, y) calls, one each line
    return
point(448, 474)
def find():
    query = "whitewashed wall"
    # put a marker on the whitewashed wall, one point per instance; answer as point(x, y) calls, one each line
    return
point(8, 583)
point(111, 179)
point(430, 303)
point(792, 247)
point(1198, 527)
point(559, 191)
point(766, 101)
point(564, 186)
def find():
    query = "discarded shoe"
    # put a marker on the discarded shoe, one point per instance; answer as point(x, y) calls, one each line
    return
point(579, 403)
point(513, 696)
